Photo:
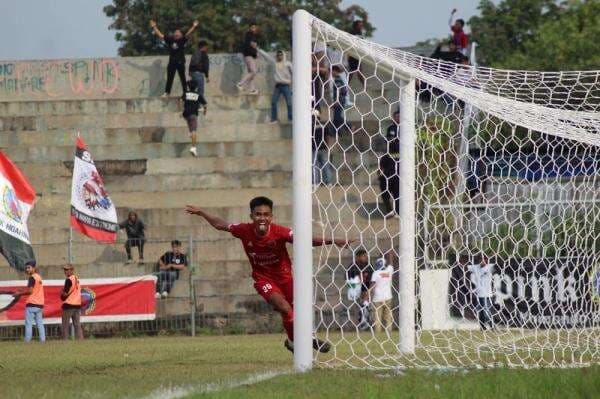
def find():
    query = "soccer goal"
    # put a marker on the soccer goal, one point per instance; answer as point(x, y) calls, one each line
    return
point(477, 189)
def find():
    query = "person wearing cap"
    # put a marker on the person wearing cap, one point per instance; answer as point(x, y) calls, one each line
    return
point(34, 305)
point(380, 292)
point(71, 297)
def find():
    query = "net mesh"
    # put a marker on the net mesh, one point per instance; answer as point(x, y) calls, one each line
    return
point(507, 209)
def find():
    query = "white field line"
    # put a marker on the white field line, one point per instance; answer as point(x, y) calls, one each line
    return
point(177, 392)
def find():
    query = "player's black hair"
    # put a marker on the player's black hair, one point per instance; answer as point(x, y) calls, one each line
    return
point(360, 252)
point(464, 58)
point(258, 201)
point(202, 43)
point(176, 243)
point(336, 68)
point(461, 22)
point(356, 23)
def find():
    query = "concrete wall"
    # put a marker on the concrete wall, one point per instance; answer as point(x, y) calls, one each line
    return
point(113, 78)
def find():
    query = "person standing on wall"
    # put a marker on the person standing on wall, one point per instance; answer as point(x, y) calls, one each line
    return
point(198, 70)
point(176, 44)
point(250, 52)
point(71, 307)
point(34, 305)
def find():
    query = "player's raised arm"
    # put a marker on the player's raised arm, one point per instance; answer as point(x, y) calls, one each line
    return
point(340, 242)
point(214, 221)
point(155, 29)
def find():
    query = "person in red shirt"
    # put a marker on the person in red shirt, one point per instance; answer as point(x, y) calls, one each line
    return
point(459, 37)
point(265, 245)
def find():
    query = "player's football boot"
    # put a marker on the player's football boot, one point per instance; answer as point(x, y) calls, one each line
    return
point(321, 346)
point(289, 345)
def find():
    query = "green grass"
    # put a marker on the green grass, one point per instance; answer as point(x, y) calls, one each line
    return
point(215, 366)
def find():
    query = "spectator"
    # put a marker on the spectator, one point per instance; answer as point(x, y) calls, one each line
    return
point(283, 83)
point(321, 144)
point(198, 70)
point(381, 295)
point(363, 269)
point(191, 103)
point(354, 63)
point(452, 55)
point(389, 183)
point(134, 228)
point(169, 266)
point(250, 52)
point(459, 37)
point(71, 297)
point(34, 305)
point(320, 74)
point(340, 97)
point(176, 44)
point(481, 277)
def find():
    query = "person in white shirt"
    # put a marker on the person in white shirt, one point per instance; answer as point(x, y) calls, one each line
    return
point(481, 277)
point(381, 295)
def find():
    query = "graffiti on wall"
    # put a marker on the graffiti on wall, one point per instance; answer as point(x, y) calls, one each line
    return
point(59, 77)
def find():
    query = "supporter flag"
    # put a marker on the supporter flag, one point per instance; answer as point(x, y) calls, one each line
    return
point(92, 211)
point(16, 201)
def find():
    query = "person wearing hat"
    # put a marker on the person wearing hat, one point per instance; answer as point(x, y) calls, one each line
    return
point(34, 305)
point(71, 297)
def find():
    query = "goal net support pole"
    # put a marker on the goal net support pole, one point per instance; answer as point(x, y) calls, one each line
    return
point(406, 213)
point(302, 193)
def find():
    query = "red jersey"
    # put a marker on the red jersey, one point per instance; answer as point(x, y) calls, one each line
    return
point(268, 254)
point(460, 38)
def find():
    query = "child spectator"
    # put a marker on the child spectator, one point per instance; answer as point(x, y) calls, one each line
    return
point(191, 103)
point(381, 295)
point(198, 69)
point(459, 37)
point(283, 83)
point(250, 52)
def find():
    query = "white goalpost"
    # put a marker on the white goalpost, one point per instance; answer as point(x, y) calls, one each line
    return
point(473, 195)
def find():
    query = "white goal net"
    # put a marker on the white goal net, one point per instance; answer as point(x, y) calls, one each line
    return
point(480, 186)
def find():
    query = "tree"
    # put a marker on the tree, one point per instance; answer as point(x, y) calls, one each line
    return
point(502, 30)
point(222, 22)
point(566, 43)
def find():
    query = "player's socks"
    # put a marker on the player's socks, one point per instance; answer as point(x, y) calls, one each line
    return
point(288, 324)
point(289, 345)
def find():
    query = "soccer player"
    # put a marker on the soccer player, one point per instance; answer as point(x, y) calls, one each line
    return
point(265, 246)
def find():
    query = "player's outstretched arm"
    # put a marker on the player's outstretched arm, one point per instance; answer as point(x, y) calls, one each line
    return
point(155, 29)
point(214, 221)
point(340, 242)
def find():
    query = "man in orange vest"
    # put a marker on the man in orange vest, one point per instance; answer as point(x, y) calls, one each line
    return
point(71, 297)
point(34, 305)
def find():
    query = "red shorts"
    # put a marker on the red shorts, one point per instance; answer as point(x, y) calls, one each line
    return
point(266, 288)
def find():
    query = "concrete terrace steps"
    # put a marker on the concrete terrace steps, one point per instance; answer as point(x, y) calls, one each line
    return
point(152, 134)
point(129, 105)
point(45, 154)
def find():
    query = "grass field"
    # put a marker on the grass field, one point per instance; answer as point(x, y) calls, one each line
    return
point(243, 366)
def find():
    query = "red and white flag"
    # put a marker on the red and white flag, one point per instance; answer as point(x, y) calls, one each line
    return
point(92, 211)
point(16, 201)
point(102, 299)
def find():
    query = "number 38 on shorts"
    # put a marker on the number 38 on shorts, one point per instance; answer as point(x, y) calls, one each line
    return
point(266, 288)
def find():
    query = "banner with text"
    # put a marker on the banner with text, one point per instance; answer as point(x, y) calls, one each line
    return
point(534, 293)
point(102, 299)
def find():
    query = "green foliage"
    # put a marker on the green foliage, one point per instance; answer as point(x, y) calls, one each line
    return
point(222, 22)
point(537, 34)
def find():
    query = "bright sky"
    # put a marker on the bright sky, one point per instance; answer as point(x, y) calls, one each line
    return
point(42, 29)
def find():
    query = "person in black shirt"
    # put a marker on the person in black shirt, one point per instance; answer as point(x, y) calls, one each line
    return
point(134, 228)
point(321, 144)
point(176, 45)
point(354, 63)
point(361, 267)
point(389, 182)
point(191, 102)
point(250, 52)
point(198, 70)
point(169, 266)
